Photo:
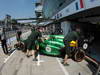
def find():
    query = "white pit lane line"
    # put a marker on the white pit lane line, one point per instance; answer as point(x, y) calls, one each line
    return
point(9, 57)
point(9, 41)
point(39, 60)
point(62, 67)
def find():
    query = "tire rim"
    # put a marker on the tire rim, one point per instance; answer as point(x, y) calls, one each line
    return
point(85, 46)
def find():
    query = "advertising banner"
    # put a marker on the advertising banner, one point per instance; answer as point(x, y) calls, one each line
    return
point(91, 3)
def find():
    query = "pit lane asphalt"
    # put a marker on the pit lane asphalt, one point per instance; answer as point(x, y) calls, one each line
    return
point(18, 64)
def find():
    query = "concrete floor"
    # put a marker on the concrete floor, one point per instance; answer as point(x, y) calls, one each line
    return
point(18, 64)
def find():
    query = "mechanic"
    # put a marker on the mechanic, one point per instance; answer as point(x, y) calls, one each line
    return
point(71, 36)
point(32, 43)
point(18, 35)
point(38, 39)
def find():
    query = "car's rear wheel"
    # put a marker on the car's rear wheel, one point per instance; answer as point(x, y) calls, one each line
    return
point(79, 55)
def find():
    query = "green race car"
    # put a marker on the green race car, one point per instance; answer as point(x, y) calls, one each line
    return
point(52, 45)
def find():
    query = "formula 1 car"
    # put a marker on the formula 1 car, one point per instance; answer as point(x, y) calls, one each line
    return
point(53, 45)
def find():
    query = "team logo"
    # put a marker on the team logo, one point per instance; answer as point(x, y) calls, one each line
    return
point(48, 48)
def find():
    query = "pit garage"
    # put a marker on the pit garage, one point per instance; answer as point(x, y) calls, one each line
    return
point(91, 32)
point(89, 21)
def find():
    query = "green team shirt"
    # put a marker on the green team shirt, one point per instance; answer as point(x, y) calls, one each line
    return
point(33, 36)
point(33, 39)
point(71, 36)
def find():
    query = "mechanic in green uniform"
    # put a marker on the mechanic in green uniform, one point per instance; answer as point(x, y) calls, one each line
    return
point(32, 43)
point(37, 42)
point(71, 36)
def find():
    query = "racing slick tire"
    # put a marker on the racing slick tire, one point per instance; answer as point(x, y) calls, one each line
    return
point(79, 55)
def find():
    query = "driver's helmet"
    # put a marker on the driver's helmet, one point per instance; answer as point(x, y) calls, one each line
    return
point(73, 44)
